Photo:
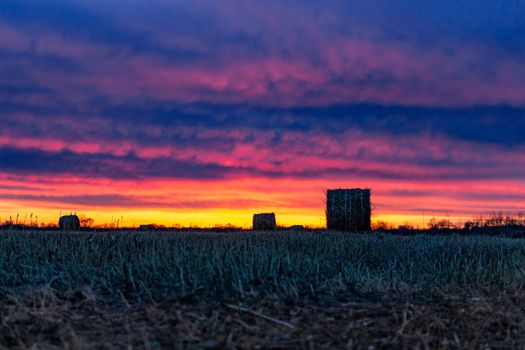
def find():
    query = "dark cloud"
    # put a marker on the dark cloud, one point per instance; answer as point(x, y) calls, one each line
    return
point(492, 196)
point(131, 166)
point(136, 34)
point(126, 201)
point(33, 161)
point(497, 125)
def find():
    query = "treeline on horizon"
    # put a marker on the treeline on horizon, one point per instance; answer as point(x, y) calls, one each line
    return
point(493, 222)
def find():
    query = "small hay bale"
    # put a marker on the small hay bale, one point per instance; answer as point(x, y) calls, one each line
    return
point(149, 227)
point(69, 223)
point(348, 210)
point(264, 222)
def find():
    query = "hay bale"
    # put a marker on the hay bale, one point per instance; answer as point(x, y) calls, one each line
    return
point(348, 210)
point(69, 223)
point(149, 227)
point(264, 221)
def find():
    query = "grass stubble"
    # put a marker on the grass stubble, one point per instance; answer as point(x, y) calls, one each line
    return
point(260, 290)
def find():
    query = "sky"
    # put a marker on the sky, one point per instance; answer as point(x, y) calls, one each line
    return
point(203, 112)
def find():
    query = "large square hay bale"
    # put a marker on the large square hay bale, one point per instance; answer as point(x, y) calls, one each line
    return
point(348, 210)
point(264, 221)
point(69, 223)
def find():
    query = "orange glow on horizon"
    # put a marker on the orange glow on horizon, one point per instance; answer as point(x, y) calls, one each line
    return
point(206, 203)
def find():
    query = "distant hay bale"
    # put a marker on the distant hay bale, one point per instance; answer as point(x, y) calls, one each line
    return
point(69, 223)
point(149, 227)
point(264, 221)
point(348, 210)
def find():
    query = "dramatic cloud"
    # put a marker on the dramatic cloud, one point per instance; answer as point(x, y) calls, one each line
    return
point(423, 102)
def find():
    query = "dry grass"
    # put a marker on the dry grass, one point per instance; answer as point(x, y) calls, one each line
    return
point(80, 321)
point(272, 290)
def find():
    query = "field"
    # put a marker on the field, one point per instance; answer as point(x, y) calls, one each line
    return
point(260, 290)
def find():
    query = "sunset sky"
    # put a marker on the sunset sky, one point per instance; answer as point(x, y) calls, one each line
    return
point(204, 112)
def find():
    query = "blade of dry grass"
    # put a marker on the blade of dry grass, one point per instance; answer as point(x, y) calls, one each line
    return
point(263, 316)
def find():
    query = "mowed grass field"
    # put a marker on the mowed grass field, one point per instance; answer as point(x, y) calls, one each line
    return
point(260, 290)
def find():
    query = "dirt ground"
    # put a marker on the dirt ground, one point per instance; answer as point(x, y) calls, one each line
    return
point(83, 321)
